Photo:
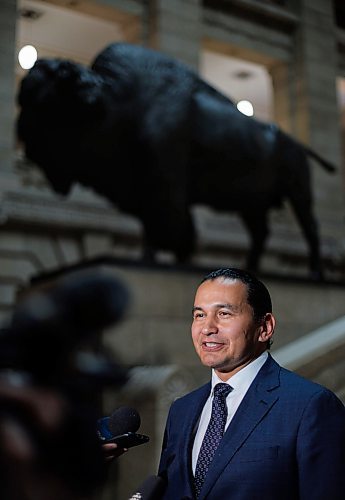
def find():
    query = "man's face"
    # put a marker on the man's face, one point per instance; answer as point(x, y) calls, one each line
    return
point(224, 332)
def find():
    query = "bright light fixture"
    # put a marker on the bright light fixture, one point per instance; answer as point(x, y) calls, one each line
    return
point(27, 56)
point(245, 107)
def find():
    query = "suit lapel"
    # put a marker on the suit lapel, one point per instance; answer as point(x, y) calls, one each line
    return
point(189, 418)
point(256, 404)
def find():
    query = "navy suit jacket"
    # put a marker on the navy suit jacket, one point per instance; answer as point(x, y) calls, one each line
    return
point(285, 442)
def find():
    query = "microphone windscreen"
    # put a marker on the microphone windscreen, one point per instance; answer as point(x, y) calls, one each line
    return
point(124, 419)
point(151, 489)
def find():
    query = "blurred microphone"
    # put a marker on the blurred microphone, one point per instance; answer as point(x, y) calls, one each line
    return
point(151, 489)
point(124, 419)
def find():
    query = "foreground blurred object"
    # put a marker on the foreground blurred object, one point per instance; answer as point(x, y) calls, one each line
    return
point(147, 133)
point(50, 379)
point(151, 489)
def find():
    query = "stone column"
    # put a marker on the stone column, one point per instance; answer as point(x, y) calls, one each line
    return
point(174, 27)
point(306, 106)
point(7, 82)
point(7, 107)
point(316, 110)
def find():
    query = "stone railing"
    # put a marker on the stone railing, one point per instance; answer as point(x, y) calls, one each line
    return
point(319, 355)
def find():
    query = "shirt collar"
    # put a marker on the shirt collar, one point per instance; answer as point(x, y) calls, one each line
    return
point(244, 377)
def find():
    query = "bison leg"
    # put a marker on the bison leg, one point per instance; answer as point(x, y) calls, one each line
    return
point(171, 229)
point(302, 207)
point(256, 223)
point(298, 191)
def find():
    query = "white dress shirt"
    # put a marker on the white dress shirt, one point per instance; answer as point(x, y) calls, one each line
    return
point(240, 383)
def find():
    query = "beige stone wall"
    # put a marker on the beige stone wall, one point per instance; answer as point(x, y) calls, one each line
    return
point(157, 330)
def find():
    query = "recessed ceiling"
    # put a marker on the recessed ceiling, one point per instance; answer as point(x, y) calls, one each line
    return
point(226, 74)
point(61, 32)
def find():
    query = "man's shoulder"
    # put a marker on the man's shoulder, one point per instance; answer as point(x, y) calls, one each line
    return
point(299, 386)
point(291, 378)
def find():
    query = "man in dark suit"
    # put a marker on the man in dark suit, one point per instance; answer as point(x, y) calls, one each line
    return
point(257, 430)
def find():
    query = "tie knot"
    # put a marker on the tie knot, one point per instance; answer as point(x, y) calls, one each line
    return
point(222, 390)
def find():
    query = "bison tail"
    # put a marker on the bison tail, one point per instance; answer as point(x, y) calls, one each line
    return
point(326, 164)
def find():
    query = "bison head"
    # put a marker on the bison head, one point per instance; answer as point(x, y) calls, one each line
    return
point(59, 102)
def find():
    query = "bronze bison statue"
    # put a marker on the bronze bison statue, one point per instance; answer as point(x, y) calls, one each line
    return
point(149, 134)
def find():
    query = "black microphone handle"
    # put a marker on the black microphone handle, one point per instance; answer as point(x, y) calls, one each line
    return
point(122, 420)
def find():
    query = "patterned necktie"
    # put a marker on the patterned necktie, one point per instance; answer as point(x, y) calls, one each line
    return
point(213, 435)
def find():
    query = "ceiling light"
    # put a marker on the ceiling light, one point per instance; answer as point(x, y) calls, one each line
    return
point(27, 56)
point(245, 107)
